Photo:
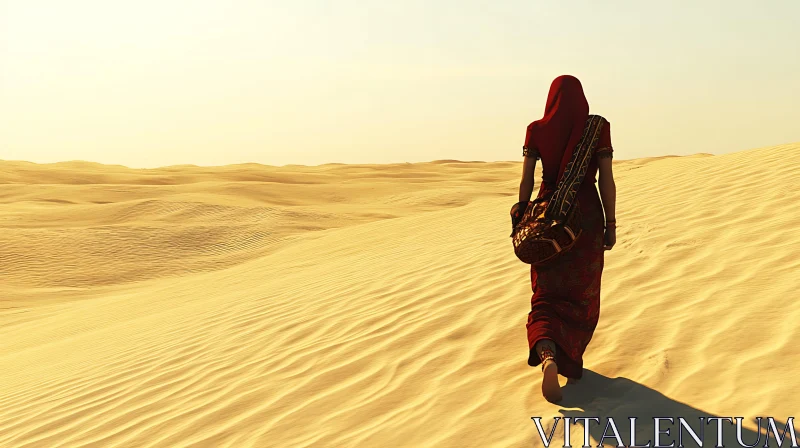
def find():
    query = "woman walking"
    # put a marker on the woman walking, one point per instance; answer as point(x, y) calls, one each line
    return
point(565, 306)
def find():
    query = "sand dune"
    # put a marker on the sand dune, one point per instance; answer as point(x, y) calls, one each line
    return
point(377, 305)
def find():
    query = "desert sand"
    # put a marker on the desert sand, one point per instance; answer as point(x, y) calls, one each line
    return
point(378, 305)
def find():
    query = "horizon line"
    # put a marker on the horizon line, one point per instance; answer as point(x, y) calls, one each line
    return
point(291, 165)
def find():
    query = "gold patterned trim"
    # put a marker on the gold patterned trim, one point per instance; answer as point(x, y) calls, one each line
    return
point(529, 152)
point(566, 192)
point(606, 152)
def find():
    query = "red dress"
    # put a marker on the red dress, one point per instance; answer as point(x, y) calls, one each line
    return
point(565, 305)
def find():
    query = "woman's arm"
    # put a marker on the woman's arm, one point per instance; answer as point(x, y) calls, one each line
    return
point(608, 189)
point(608, 195)
point(525, 191)
point(526, 185)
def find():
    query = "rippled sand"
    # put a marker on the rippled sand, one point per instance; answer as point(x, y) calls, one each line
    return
point(378, 305)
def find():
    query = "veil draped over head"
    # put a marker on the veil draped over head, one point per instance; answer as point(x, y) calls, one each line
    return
point(565, 116)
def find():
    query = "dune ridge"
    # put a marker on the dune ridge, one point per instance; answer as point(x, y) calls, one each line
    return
point(377, 306)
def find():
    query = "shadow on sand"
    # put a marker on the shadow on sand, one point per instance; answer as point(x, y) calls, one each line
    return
point(602, 397)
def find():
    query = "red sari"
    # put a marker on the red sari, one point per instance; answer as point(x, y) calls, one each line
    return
point(565, 305)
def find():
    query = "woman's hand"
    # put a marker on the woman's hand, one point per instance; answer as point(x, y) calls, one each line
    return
point(516, 214)
point(610, 237)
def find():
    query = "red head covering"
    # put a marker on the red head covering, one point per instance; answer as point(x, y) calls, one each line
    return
point(564, 118)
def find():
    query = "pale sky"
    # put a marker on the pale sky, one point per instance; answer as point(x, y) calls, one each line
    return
point(151, 83)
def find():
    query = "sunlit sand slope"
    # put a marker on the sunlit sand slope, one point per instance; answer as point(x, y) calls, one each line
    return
point(378, 305)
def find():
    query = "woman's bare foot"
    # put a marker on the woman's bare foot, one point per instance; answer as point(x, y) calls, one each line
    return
point(551, 390)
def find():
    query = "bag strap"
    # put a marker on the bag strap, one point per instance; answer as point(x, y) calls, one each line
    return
point(563, 198)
